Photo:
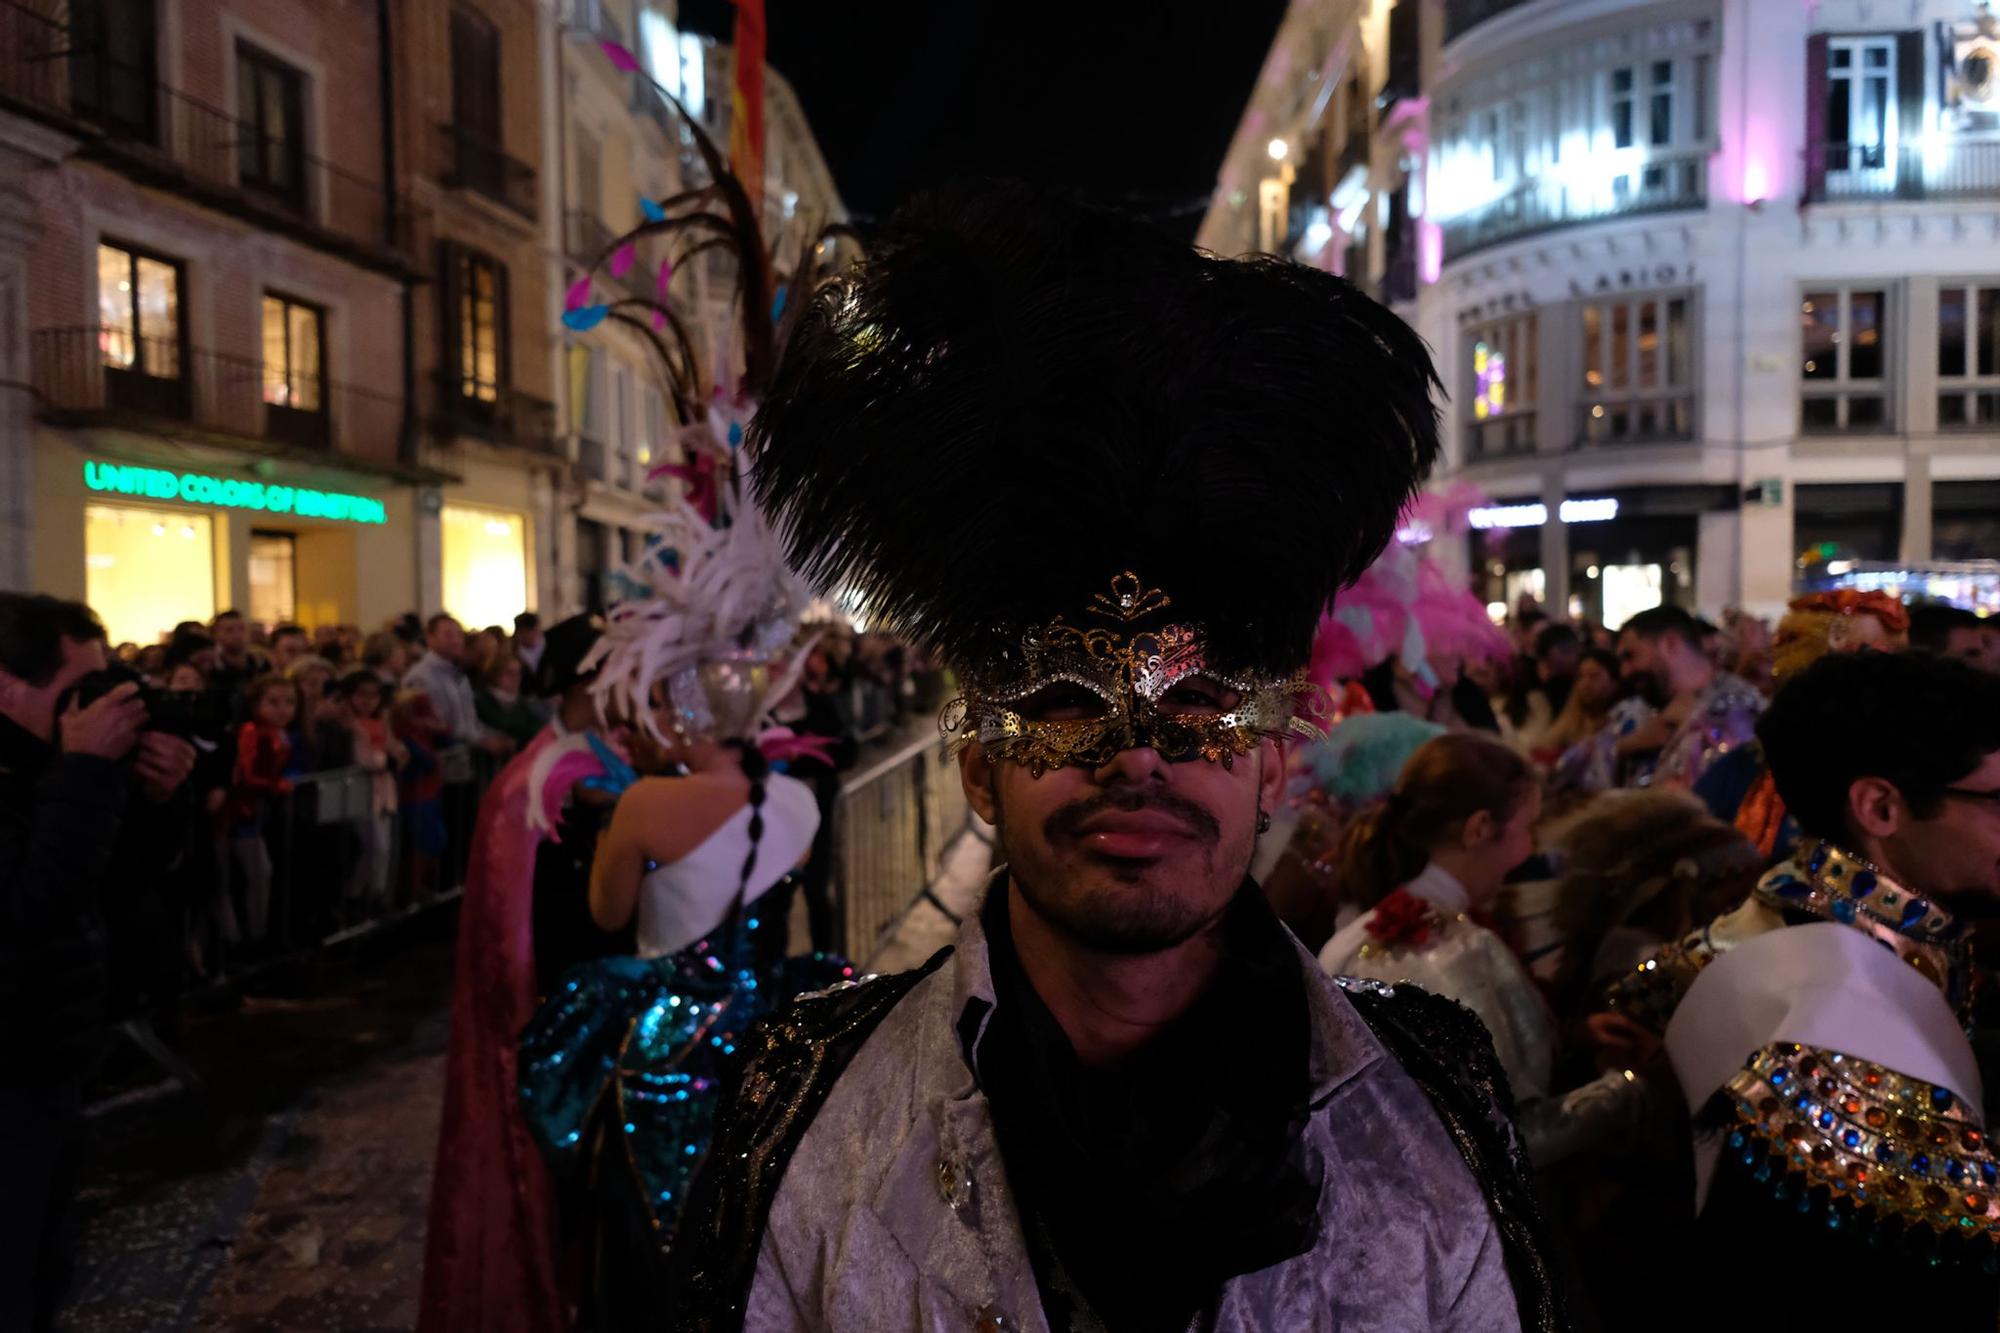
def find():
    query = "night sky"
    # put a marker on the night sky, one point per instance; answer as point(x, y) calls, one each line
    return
point(1133, 103)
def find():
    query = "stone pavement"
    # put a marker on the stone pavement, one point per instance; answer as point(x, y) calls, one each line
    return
point(291, 1196)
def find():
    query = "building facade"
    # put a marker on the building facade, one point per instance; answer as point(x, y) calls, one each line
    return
point(281, 288)
point(203, 246)
point(623, 136)
point(1714, 285)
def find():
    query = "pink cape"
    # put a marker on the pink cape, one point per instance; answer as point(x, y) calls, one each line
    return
point(490, 1254)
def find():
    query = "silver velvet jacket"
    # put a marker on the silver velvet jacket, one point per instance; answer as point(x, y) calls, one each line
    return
point(894, 1212)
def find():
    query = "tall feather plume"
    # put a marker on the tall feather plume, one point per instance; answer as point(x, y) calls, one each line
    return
point(698, 594)
point(1016, 397)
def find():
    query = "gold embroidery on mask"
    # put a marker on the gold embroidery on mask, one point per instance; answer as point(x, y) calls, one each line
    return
point(1130, 673)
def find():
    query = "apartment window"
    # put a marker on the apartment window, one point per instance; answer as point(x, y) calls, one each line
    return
point(475, 75)
point(589, 177)
point(1638, 369)
point(1844, 359)
point(270, 101)
point(1968, 355)
point(1624, 106)
point(113, 64)
point(1860, 102)
point(475, 291)
point(1503, 388)
point(140, 329)
point(1660, 103)
point(1698, 99)
point(294, 366)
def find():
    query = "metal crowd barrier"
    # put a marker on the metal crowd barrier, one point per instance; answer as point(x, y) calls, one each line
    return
point(891, 826)
point(336, 870)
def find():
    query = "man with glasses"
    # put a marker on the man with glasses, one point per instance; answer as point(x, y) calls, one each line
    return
point(1822, 1038)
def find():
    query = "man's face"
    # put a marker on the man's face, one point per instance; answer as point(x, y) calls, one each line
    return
point(1559, 663)
point(287, 649)
point(1639, 665)
point(1133, 856)
point(447, 639)
point(232, 635)
point(1955, 855)
point(1594, 685)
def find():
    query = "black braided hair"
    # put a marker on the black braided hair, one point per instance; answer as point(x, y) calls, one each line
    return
point(755, 768)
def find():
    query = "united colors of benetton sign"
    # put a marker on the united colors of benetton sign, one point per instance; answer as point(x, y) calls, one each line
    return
point(153, 483)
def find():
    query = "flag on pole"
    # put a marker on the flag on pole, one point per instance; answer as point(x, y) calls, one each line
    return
point(746, 102)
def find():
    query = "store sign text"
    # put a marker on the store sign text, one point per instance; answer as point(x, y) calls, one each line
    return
point(153, 483)
point(1597, 510)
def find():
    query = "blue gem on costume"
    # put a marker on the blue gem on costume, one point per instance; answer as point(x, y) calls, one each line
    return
point(1777, 1076)
point(1862, 884)
point(1914, 911)
point(1826, 1120)
point(1940, 1099)
point(1818, 861)
point(1955, 1172)
point(1791, 888)
point(1989, 1172)
point(1884, 1153)
point(1852, 1138)
point(1843, 911)
point(1920, 1164)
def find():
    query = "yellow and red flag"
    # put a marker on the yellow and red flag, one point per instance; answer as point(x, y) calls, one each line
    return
point(746, 102)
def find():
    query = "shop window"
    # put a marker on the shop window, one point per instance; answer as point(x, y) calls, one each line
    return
point(475, 293)
point(1968, 355)
point(142, 330)
point(485, 564)
point(1844, 360)
point(274, 597)
point(270, 103)
point(294, 335)
point(1638, 369)
point(1502, 378)
point(146, 570)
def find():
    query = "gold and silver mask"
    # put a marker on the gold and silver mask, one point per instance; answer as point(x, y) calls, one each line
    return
point(1075, 695)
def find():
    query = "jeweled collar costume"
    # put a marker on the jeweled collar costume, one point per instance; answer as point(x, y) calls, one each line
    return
point(1082, 461)
point(1816, 1032)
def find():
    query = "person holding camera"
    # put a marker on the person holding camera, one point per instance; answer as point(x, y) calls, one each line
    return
point(80, 778)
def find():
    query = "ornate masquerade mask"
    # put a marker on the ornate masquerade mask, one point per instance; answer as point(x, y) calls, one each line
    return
point(1079, 696)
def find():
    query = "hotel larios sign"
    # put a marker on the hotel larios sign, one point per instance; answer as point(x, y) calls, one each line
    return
point(195, 488)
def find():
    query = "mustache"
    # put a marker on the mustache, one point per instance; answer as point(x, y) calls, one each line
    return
point(1068, 821)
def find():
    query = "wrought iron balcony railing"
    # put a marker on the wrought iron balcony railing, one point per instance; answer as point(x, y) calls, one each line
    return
point(103, 376)
point(479, 164)
point(1944, 167)
point(168, 139)
point(1541, 204)
point(495, 413)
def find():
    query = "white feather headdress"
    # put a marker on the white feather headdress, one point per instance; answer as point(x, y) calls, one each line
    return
point(701, 598)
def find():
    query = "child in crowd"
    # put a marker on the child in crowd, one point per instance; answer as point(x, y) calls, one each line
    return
point(263, 752)
point(376, 750)
point(417, 724)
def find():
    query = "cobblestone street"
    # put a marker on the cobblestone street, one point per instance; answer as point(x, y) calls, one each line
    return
point(291, 1195)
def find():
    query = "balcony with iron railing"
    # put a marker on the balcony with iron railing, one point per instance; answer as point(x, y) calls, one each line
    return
point(97, 376)
point(166, 138)
point(478, 163)
point(1939, 168)
point(1663, 184)
point(497, 413)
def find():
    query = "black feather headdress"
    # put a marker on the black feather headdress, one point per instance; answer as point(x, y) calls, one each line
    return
point(1016, 397)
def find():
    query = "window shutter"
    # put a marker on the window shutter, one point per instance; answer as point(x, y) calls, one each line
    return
point(1816, 93)
point(450, 297)
point(1909, 113)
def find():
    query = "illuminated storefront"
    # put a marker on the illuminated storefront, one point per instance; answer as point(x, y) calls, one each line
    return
point(159, 536)
point(485, 564)
point(147, 569)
